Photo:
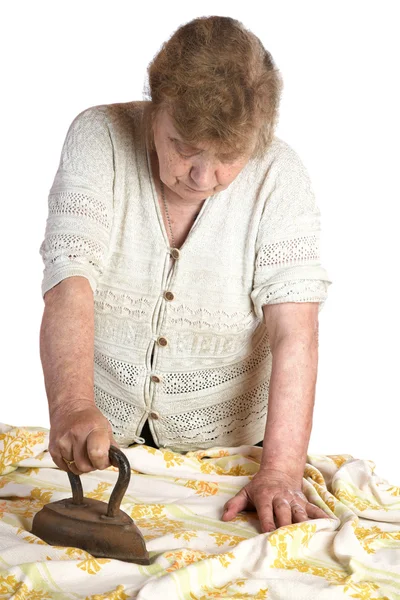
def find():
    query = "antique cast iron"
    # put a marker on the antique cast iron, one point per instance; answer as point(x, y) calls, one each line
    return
point(103, 530)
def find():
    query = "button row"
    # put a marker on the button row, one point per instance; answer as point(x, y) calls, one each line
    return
point(162, 341)
point(169, 296)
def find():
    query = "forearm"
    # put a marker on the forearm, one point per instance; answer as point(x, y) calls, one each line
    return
point(67, 342)
point(290, 405)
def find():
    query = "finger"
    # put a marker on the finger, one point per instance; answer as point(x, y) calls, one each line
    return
point(265, 513)
point(98, 447)
point(71, 450)
point(65, 452)
point(315, 512)
point(299, 513)
point(112, 439)
point(57, 459)
point(235, 505)
point(282, 510)
point(72, 467)
point(94, 452)
point(266, 516)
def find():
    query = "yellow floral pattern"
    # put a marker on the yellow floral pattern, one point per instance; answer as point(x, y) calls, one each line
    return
point(10, 587)
point(17, 444)
point(203, 488)
point(226, 591)
point(171, 458)
point(117, 594)
point(194, 554)
point(99, 492)
point(89, 564)
point(393, 490)
point(349, 498)
point(184, 558)
point(222, 539)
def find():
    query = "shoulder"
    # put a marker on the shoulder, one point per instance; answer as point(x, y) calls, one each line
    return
point(119, 118)
point(283, 172)
point(122, 120)
point(87, 132)
point(279, 163)
point(90, 116)
point(282, 156)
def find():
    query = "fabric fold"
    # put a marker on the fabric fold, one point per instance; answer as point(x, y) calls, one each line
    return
point(176, 500)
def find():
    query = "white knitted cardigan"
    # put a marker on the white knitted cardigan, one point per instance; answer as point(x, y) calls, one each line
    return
point(195, 362)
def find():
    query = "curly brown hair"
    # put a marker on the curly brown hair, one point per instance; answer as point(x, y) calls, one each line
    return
point(219, 85)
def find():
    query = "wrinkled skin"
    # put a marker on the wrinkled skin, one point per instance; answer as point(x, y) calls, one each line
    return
point(273, 493)
point(80, 432)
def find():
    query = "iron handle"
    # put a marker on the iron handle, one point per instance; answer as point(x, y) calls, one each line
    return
point(117, 459)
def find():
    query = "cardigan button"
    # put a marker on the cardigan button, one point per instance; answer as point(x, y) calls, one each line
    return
point(175, 253)
point(155, 379)
point(154, 414)
point(168, 296)
point(162, 341)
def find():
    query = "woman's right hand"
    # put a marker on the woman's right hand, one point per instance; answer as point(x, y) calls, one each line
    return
point(80, 432)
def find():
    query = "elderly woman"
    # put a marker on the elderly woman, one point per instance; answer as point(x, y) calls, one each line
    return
point(182, 281)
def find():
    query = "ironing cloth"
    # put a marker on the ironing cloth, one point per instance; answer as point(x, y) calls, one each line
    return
point(176, 500)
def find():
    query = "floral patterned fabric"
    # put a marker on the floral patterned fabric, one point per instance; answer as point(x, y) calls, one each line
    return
point(176, 500)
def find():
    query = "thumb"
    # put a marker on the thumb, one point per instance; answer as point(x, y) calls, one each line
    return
point(235, 505)
point(96, 440)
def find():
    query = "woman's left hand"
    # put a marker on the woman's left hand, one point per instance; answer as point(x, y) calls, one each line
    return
point(273, 492)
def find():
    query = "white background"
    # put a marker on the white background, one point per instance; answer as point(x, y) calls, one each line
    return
point(339, 111)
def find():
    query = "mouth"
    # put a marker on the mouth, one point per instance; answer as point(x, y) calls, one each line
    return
point(192, 190)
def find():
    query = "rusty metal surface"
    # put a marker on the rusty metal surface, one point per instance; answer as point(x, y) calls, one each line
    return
point(103, 530)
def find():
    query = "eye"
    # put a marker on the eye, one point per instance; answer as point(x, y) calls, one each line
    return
point(230, 159)
point(177, 148)
point(185, 155)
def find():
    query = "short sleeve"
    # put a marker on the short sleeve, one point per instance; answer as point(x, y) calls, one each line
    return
point(287, 264)
point(80, 203)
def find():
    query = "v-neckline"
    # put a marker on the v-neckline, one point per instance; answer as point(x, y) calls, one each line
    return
point(162, 229)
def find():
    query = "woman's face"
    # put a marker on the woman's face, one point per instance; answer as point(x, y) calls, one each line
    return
point(193, 173)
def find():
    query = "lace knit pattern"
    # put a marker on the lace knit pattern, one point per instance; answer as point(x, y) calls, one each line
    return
point(256, 243)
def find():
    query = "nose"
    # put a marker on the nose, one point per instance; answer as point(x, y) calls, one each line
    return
point(203, 175)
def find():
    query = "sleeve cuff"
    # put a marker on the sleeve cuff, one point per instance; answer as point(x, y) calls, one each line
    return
point(69, 271)
point(300, 290)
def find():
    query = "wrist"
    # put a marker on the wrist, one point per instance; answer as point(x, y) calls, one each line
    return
point(70, 404)
point(292, 466)
point(293, 478)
